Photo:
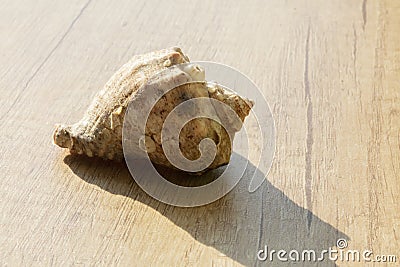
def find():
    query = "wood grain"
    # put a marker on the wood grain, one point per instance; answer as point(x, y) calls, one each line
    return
point(329, 70)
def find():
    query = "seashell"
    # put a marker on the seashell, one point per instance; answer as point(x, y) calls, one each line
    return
point(99, 132)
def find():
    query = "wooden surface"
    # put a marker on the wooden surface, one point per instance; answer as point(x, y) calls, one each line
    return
point(329, 69)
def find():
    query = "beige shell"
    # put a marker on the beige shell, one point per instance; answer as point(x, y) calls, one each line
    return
point(99, 132)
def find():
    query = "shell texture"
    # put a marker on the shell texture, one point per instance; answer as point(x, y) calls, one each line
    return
point(99, 132)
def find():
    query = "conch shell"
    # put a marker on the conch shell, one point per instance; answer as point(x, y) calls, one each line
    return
point(99, 132)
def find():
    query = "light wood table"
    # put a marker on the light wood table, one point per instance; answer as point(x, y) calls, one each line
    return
point(329, 69)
